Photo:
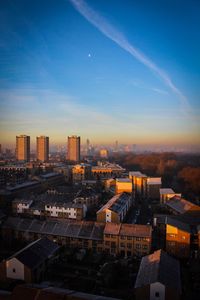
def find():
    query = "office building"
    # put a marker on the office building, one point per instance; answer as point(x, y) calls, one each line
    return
point(74, 143)
point(23, 148)
point(42, 148)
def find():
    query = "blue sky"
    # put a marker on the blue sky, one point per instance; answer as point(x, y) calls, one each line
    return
point(105, 70)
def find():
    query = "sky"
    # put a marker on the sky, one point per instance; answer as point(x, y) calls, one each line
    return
point(106, 70)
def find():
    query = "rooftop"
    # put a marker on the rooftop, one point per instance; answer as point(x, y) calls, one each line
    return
point(166, 191)
point(65, 227)
point(136, 230)
point(181, 205)
point(153, 180)
point(159, 267)
point(123, 180)
point(116, 203)
point(136, 174)
point(36, 252)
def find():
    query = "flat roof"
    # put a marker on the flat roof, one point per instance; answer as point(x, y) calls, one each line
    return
point(123, 180)
point(153, 180)
point(137, 174)
point(164, 191)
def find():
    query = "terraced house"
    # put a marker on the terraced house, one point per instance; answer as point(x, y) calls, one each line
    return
point(124, 239)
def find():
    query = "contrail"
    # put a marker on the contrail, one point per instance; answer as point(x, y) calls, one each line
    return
point(110, 32)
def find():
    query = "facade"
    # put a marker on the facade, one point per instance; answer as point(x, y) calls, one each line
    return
point(81, 172)
point(139, 181)
point(178, 238)
point(50, 206)
point(127, 239)
point(81, 234)
point(153, 188)
point(12, 175)
point(23, 148)
point(107, 170)
point(68, 210)
point(166, 194)
point(42, 143)
point(158, 278)
point(116, 209)
point(29, 263)
point(123, 185)
point(74, 144)
point(180, 232)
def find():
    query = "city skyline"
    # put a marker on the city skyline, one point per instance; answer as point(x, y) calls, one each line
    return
point(103, 70)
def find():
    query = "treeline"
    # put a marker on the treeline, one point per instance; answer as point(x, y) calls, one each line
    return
point(179, 171)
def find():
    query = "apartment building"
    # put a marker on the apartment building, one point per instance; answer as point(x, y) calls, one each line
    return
point(180, 233)
point(42, 144)
point(139, 181)
point(129, 239)
point(67, 210)
point(107, 170)
point(23, 148)
point(81, 172)
point(123, 185)
point(50, 206)
point(74, 148)
point(166, 194)
point(116, 209)
point(153, 187)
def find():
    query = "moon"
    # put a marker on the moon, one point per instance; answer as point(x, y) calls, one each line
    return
point(89, 55)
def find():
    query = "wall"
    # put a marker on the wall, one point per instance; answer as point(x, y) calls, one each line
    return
point(12, 264)
point(157, 287)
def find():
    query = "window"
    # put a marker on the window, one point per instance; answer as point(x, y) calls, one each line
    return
point(138, 246)
point(183, 237)
point(172, 235)
point(138, 239)
point(122, 245)
point(107, 235)
point(157, 294)
point(144, 247)
point(14, 271)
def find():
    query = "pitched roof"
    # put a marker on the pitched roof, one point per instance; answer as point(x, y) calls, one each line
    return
point(181, 205)
point(36, 252)
point(159, 267)
point(116, 203)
